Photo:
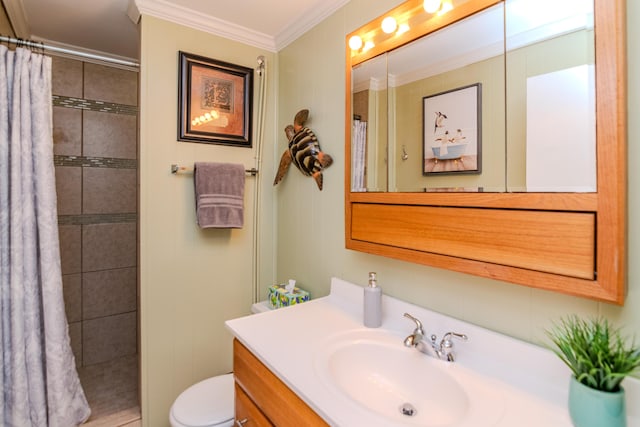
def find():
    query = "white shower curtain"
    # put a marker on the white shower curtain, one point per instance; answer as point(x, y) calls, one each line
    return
point(39, 381)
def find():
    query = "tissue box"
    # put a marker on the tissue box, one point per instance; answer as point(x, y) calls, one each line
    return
point(279, 297)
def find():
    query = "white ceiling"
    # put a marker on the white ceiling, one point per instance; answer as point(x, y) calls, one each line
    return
point(107, 26)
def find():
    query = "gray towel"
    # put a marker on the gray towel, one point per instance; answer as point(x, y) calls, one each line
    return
point(219, 194)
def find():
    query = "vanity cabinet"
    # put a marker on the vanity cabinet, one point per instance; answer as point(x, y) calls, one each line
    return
point(262, 399)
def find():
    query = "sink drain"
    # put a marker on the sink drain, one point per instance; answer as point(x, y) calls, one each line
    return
point(407, 409)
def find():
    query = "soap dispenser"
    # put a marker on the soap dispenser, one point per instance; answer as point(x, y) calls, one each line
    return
point(372, 303)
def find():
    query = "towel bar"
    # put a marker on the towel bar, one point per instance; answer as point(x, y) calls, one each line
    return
point(176, 169)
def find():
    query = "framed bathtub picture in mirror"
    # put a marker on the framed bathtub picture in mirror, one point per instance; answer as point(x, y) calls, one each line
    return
point(215, 101)
point(451, 129)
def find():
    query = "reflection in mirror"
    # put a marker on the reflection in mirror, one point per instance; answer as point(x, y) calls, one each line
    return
point(395, 152)
point(369, 135)
point(467, 54)
point(550, 96)
point(538, 135)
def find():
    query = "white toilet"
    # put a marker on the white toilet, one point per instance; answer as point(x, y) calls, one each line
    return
point(209, 403)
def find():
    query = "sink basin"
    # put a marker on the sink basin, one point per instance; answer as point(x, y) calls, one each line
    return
point(407, 387)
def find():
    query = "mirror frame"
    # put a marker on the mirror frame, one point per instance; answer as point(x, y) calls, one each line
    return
point(601, 233)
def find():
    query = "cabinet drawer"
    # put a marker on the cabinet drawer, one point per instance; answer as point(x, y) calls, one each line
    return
point(278, 403)
point(247, 413)
point(551, 242)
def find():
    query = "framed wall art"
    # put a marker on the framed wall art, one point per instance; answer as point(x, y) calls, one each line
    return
point(215, 101)
point(451, 127)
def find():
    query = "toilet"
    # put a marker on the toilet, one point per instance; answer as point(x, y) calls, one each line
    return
point(209, 403)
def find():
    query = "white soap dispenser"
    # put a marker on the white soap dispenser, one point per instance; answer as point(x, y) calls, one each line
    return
point(372, 303)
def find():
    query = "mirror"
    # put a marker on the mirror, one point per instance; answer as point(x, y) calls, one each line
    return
point(550, 79)
point(544, 205)
point(540, 51)
point(369, 137)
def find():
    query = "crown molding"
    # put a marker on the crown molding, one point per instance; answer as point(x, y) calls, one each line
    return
point(133, 12)
point(203, 22)
point(304, 23)
point(18, 18)
point(190, 18)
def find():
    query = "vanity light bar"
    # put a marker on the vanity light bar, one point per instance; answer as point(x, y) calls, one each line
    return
point(399, 25)
point(389, 24)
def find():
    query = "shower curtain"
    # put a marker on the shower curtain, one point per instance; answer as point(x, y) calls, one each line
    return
point(39, 381)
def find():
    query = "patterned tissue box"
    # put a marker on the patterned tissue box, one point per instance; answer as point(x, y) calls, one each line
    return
point(279, 297)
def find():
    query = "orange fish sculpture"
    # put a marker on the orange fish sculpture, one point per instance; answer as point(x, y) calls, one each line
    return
point(303, 150)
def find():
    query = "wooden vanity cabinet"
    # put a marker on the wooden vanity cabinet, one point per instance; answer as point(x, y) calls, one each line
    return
point(264, 400)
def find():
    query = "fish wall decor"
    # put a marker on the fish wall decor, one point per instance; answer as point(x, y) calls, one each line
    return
point(303, 150)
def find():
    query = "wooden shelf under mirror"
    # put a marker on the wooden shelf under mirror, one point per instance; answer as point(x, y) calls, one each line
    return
point(564, 241)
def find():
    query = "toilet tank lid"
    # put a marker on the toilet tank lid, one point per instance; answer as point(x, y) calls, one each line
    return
point(206, 403)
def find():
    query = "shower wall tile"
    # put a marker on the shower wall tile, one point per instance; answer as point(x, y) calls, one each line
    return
point(69, 190)
point(70, 248)
point(66, 77)
point(72, 291)
point(75, 335)
point(107, 246)
point(95, 144)
point(107, 338)
point(110, 84)
point(109, 190)
point(67, 131)
point(109, 292)
point(109, 135)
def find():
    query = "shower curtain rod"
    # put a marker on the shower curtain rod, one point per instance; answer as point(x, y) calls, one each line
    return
point(37, 45)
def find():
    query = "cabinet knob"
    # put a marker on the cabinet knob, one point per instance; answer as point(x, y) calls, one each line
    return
point(240, 423)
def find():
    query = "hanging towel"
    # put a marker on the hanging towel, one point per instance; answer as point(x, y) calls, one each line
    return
point(219, 195)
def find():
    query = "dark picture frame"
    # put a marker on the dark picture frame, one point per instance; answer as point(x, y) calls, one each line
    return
point(215, 101)
point(452, 131)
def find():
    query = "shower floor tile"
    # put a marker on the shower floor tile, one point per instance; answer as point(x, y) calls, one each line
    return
point(112, 391)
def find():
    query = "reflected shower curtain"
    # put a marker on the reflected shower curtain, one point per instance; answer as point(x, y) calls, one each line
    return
point(39, 381)
point(358, 155)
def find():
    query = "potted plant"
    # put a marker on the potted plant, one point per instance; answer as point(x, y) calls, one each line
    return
point(599, 359)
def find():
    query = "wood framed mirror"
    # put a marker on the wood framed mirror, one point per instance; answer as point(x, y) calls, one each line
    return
point(567, 241)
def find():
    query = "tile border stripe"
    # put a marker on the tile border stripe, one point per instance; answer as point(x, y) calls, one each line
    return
point(91, 219)
point(88, 104)
point(95, 162)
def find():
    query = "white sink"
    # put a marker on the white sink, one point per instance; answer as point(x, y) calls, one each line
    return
point(355, 376)
point(375, 370)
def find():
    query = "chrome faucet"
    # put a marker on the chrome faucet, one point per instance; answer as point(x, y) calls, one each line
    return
point(442, 351)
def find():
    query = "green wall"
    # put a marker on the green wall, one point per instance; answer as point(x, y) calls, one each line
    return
point(191, 280)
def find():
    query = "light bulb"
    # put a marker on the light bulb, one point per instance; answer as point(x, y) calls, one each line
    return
point(355, 42)
point(389, 24)
point(403, 28)
point(446, 7)
point(431, 6)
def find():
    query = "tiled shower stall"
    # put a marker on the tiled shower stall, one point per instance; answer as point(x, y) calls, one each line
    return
point(95, 122)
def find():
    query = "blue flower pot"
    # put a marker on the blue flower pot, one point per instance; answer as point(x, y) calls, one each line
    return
point(594, 408)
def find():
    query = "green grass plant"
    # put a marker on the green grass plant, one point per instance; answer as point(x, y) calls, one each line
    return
point(595, 352)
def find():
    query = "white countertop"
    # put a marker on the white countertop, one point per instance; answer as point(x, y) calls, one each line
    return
point(532, 380)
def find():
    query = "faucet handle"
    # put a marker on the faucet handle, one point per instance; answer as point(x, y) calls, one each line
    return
point(449, 335)
point(446, 345)
point(418, 329)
